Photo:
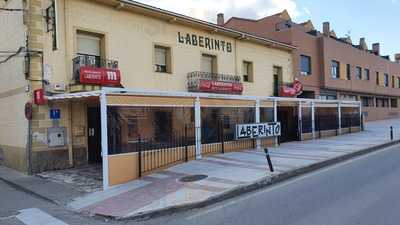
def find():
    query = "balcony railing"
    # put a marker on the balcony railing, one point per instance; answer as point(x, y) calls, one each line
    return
point(212, 82)
point(92, 61)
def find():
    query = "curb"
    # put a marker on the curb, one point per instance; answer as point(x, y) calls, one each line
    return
point(264, 182)
point(28, 191)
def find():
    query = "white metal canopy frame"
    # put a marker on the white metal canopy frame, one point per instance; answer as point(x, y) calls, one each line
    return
point(102, 94)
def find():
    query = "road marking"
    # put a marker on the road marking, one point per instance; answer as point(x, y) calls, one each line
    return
point(34, 216)
point(280, 185)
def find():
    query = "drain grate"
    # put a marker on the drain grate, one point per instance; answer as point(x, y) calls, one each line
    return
point(193, 178)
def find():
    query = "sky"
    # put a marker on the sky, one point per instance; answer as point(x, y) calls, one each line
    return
point(376, 20)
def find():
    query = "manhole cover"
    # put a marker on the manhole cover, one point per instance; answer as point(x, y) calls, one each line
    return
point(193, 178)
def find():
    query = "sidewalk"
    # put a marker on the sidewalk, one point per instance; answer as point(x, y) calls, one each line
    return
point(228, 174)
point(42, 188)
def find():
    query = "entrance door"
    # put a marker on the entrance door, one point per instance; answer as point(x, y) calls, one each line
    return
point(94, 135)
point(288, 117)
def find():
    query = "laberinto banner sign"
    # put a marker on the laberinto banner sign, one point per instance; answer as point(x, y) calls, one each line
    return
point(258, 130)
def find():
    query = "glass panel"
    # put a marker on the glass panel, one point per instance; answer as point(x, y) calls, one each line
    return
point(222, 120)
point(326, 118)
point(155, 127)
point(350, 117)
point(266, 114)
point(306, 119)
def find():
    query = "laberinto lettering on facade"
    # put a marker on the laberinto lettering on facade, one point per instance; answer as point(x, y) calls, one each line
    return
point(205, 42)
point(258, 130)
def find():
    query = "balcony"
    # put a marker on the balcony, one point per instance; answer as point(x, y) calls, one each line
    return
point(90, 69)
point(214, 83)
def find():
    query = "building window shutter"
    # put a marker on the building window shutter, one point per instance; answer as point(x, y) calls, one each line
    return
point(88, 45)
point(207, 64)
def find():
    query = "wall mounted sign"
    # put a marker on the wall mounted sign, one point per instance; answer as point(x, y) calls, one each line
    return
point(38, 97)
point(258, 130)
point(204, 42)
point(291, 91)
point(55, 114)
point(99, 76)
point(222, 87)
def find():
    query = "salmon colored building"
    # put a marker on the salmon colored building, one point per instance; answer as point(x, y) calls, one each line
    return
point(331, 67)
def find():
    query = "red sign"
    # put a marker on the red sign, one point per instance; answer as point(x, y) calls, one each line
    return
point(293, 91)
point(99, 76)
point(220, 87)
point(38, 97)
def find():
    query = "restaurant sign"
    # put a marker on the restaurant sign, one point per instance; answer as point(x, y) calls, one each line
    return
point(222, 87)
point(258, 130)
point(205, 42)
point(99, 76)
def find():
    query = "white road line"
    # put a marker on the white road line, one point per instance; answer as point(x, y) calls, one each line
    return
point(34, 216)
point(277, 186)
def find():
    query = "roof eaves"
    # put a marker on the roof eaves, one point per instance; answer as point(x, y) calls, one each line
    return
point(208, 24)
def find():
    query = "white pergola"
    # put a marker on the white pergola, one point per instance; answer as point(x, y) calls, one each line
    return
point(102, 94)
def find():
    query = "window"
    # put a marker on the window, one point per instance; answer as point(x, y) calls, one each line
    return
point(348, 72)
point(393, 82)
point(382, 102)
point(305, 63)
point(377, 78)
point(335, 71)
point(327, 97)
point(208, 63)
point(366, 74)
point(367, 101)
point(247, 71)
point(398, 82)
point(162, 61)
point(393, 102)
point(89, 46)
point(348, 97)
point(358, 73)
point(386, 80)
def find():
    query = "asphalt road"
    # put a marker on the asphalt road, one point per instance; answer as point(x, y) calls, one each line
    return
point(364, 191)
point(20, 208)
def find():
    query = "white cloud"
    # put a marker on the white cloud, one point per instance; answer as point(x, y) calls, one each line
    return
point(208, 9)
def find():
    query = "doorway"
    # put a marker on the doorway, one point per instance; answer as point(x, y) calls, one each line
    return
point(94, 135)
point(288, 117)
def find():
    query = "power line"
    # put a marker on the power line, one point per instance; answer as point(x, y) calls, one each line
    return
point(12, 55)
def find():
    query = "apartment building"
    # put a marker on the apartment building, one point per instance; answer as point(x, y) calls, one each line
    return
point(332, 67)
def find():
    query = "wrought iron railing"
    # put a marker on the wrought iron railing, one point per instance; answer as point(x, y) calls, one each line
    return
point(92, 61)
point(193, 78)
